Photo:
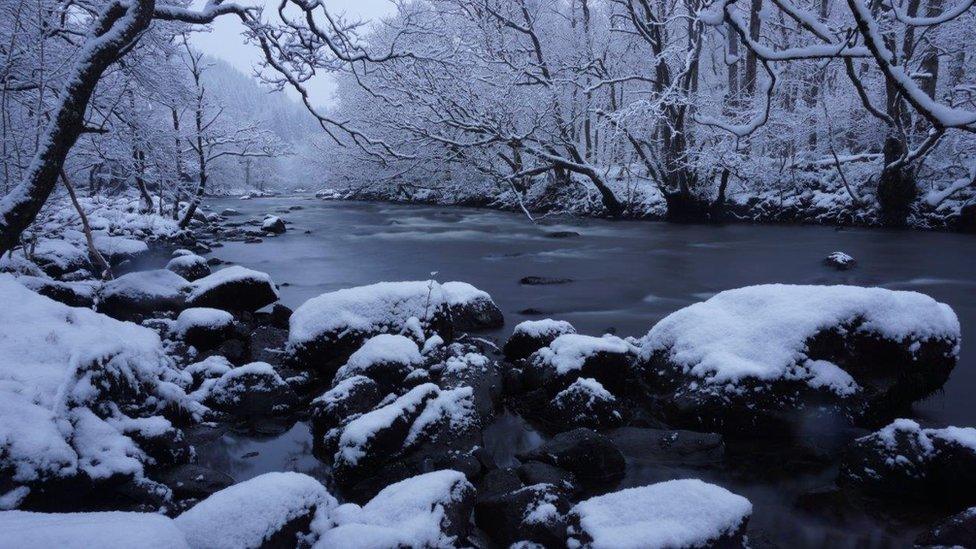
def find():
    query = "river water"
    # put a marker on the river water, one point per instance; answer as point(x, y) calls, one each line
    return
point(626, 276)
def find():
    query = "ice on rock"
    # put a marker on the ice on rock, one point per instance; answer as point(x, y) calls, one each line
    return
point(254, 512)
point(678, 513)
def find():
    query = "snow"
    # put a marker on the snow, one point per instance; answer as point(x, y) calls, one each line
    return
point(678, 513)
point(234, 273)
point(270, 222)
point(454, 407)
point(119, 246)
point(588, 388)
point(202, 317)
point(109, 530)
point(358, 433)
point(962, 436)
point(462, 293)
point(389, 348)
point(55, 359)
point(760, 332)
point(569, 352)
point(229, 385)
point(341, 390)
point(409, 513)
point(61, 253)
point(156, 284)
point(385, 306)
point(186, 261)
point(213, 366)
point(539, 328)
point(248, 513)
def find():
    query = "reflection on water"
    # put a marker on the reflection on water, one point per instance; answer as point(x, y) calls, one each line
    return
point(626, 276)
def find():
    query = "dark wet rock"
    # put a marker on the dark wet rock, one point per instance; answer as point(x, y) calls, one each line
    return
point(905, 461)
point(214, 261)
point(267, 344)
point(164, 444)
point(543, 281)
point(252, 390)
point(959, 530)
point(471, 308)
point(537, 472)
point(531, 311)
point(191, 267)
point(229, 212)
point(668, 447)
point(280, 315)
point(591, 457)
point(205, 328)
point(350, 397)
point(142, 293)
point(193, 481)
point(532, 335)
point(235, 350)
point(234, 289)
point(497, 482)
point(534, 513)
point(562, 234)
point(325, 331)
point(585, 403)
point(840, 261)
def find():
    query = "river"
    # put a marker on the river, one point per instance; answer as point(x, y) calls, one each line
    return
point(625, 275)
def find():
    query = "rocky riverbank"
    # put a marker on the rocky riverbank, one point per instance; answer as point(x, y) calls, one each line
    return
point(108, 385)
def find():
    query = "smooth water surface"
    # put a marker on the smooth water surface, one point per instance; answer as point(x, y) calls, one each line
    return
point(626, 276)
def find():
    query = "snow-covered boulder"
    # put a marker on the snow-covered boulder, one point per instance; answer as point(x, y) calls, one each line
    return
point(465, 366)
point(572, 356)
point(591, 457)
point(17, 264)
point(326, 330)
point(535, 513)
point(73, 294)
point(72, 381)
point(770, 357)
point(386, 359)
point(471, 308)
point(958, 530)
point(116, 249)
point(429, 510)
point(904, 460)
point(254, 389)
point(532, 335)
point(143, 292)
point(204, 328)
point(109, 530)
point(585, 403)
point(674, 514)
point(235, 288)
point(840, 261)
point(270, 510)
point(273, 224)
point(190, 266)
point(351, 396)
point(229, 212)
point(58, 257)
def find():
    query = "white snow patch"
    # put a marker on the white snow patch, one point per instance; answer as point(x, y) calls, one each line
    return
point(569, 352)
point(111, 530)
point(202, 317)
point(544, 327)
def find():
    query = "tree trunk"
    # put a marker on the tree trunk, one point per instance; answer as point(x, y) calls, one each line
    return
point(114, 32)
point(752, 62)
point(897, 189)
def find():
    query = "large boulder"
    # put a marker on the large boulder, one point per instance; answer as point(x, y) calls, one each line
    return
point(234, 289)
point(350, 397)
point(116, 249)
point(532, 335)
point(777, 358)
point(142, 293)
point(254, 389)
point(471, 308)
point(535, 513)
point(668, 447)
point(204, 328)
point(386, 359)
point(271, 510)
point(327, 329)
point(190, 266)
point(905, 461)
point(569, 357)
point(675, 514)
point(464, 366)
point(58, 257)
point(591, 457)
point(429, 510)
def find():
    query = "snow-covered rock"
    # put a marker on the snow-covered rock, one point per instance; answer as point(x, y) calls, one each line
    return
point(204, 328)
point(840, 261)
point(958, 530)
point(571, 356)
point(58, 256)
point(190, 266)
point(116, 249)
point(273, 224)
point(904, 460)
point(143, 292)
point(429, 510)
point(326, 330)
point(769, 356)
point(254, 389)
point(674, 514)
point(591, 457)
point(386, 359)
point(234, 288)
point(229, 212)
point(535, 513)
point(585, 403)
point(109, 530)
point(465, 366)
point(269, 510)
point(71, 380)
point(73, 294)
point(532, 335)
point(471, 308)
point(351, 396)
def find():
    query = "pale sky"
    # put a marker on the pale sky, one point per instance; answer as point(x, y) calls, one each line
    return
point(225, 41)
